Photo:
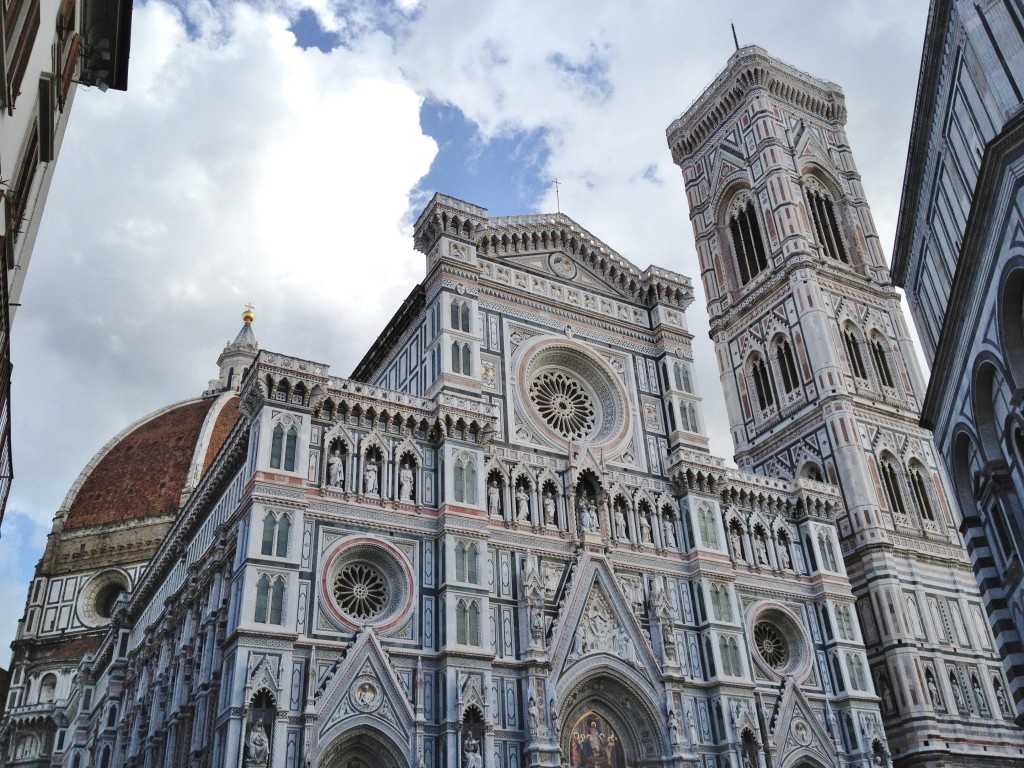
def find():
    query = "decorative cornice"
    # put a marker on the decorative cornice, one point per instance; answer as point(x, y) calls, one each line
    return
point(752, 68)
point(933, 61)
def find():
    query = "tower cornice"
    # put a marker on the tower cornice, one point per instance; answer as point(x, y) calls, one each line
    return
point(749, 69)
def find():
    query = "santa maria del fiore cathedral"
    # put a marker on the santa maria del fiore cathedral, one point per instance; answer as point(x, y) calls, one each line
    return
point(502, 541)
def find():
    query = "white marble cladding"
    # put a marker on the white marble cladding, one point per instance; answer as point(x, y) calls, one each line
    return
point(556, 290)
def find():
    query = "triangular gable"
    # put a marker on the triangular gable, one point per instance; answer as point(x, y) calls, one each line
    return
point(597, 619)
point(558, 246)
point(797, 732)
point(366, 691)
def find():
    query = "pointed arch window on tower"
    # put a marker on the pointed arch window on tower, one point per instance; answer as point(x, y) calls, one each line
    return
point(854, 355)
point(751, 258)
point(881, 361)
point(826, 226)
point(460, 316)
point(921, 496)
point(763, 384)
point(465, 480)
point(891, 484)
point(787, 365)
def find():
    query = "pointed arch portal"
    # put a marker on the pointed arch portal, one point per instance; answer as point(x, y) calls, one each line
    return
point(364, 747)
point(608, 724)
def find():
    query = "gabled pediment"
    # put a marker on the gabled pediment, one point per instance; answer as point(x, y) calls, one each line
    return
point(366, 690)
point(597, 619)
point(798, 732)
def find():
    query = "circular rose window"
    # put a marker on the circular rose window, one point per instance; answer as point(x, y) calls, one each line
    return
point(779, 641)
point(771, 645)
point(564, 403)
point(98, 598)
point(366, 581)
point(568, 394)
point(361, 590)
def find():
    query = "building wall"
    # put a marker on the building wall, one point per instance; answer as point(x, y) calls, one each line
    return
point(956, 256)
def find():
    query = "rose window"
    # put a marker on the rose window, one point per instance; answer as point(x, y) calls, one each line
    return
point(563, 404)
point(361, 591)
point(771, 645)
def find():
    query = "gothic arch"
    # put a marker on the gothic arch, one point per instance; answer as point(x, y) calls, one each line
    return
point(990, 415)
point(623, 699)
point(373, 742)
point(1011, 317)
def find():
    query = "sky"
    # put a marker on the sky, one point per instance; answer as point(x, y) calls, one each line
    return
point(279, 152)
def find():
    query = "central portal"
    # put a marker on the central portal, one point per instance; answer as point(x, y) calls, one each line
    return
point(595, 744)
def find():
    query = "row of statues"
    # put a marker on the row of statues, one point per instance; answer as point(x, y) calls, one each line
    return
point(760, 542)
point(371, 473)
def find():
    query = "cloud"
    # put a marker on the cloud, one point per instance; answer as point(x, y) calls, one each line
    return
point(243, 164)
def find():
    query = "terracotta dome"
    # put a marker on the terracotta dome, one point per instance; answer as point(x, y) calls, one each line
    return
point(143, 471)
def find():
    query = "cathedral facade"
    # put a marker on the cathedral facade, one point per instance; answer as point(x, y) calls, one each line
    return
point(502, 541)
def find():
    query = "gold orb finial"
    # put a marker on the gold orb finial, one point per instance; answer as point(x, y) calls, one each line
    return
point(248, 316)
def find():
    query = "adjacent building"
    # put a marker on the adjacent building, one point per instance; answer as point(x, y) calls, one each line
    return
point(47, 47)
point(959, 256)
point(502, 541)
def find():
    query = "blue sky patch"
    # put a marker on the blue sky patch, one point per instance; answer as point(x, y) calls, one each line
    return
point(507, 175)
point(309, 34)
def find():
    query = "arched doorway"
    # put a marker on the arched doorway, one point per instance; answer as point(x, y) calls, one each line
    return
point(608, 722)
point(364, 746)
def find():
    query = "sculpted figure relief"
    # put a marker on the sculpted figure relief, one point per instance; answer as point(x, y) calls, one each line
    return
point(736, 542)
point(405, 483)
point(257, 748)
point(493, 498)
point(522, 505)
point(587, 510)
point(471, 757)
point(785, 562)
point(668, 531)
point(336, 469)
point(549, 508)
point(620, 523)
point(370, 476)
point(645, 529)
point(761, 548)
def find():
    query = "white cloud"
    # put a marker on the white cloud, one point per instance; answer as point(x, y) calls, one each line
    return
point(239, 167)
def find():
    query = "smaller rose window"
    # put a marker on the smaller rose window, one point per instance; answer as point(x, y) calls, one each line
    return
point(361, 590)
point(771, 645)
point(564, 404)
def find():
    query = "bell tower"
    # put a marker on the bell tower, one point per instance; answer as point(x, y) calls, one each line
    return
point(821, 384)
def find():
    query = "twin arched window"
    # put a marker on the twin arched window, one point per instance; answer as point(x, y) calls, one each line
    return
point(466, 563)
point(921, 495)
point(467, 622)
point(269, 600)
point(462, 361)
point(747, 245)
point(787, 365)
point(720, 602)
point(763, 384)
point(919, 484)
point(826, 227)
point(855, 666)
point(708, 529)
point(729, 651)
point(844, 622)
point(460, 315)
point(881, 361)
point(828, 553)
point(465, 480)
point(283, 446)
point(688, 416)
point(853, 354)
point(275, 535)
